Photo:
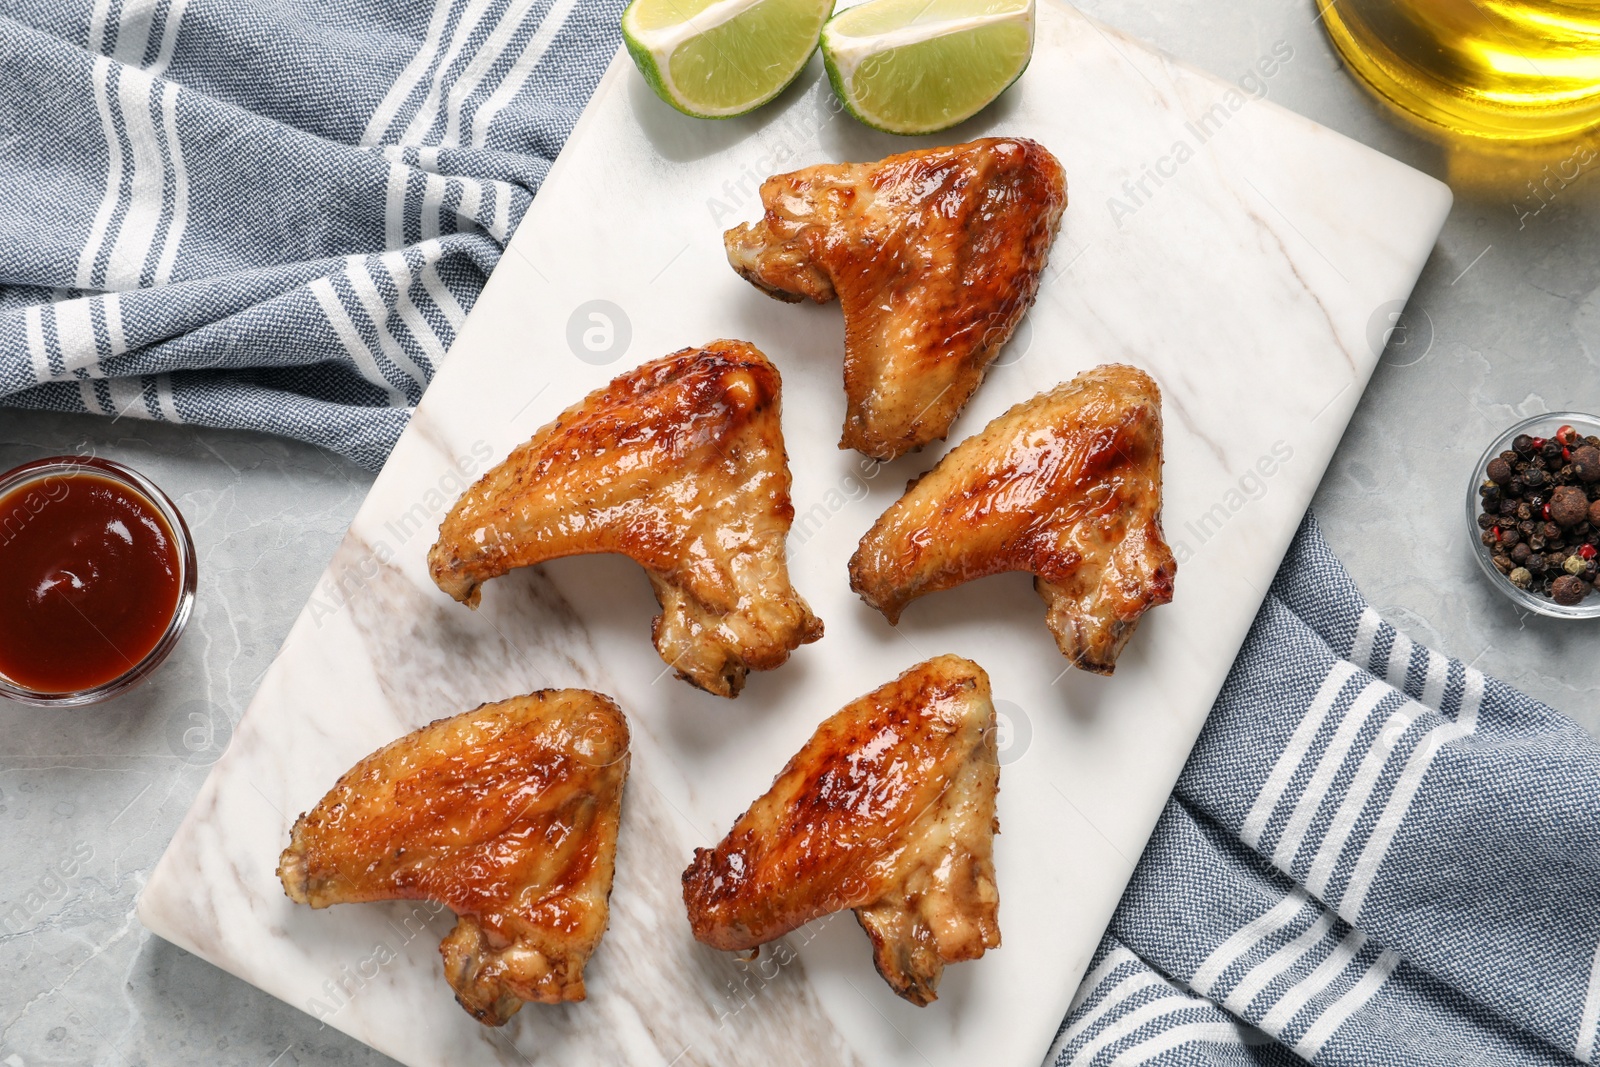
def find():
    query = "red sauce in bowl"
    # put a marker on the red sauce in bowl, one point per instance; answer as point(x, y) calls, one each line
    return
point(90, 579)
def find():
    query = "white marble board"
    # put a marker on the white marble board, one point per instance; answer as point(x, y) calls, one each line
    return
point(1249, 275)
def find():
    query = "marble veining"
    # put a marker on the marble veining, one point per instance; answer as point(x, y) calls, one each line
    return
point(1244, 283)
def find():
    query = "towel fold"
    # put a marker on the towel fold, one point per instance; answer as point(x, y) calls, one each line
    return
point(1376, 855)
point(268, 217)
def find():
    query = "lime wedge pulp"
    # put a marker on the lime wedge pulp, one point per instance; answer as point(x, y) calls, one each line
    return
point(717, 58)
point(919, 66)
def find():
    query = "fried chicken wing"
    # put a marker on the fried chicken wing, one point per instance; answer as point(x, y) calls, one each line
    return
point(508, 814)
point(888, 810)
point(678, 464)
point(935, 255)
point(1066, 486)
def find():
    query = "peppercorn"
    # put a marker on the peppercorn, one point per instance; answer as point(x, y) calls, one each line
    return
point(1540, 502)
point(1586, 463)
point(1569, 590)
point(1568, 505)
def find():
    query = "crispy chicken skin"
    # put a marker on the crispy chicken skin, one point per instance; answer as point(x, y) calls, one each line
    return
point(678, 464)
point(1066, 486)
point(508, 814)
point(935, 255)
point(889, 810)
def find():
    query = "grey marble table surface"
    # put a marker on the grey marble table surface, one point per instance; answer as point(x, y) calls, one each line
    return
point(1504, 323)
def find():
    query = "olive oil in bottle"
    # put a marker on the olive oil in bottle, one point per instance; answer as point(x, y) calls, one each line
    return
point(1509, 70)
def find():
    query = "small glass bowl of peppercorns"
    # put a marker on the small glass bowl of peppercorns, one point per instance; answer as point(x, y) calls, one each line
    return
point(1534, 506)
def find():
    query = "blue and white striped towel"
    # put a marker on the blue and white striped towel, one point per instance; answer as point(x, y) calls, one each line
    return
point(268, 215)
point(1375, 856)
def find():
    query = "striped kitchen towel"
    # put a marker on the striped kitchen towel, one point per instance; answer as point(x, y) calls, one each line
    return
point(1376, 855)
point(272, 216)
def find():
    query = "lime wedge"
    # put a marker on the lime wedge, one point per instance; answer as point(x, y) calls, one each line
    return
point(919, 66)
point(717, 58)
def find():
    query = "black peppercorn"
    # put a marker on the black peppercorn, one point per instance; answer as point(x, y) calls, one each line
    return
point(1523, 444)
point(1534, 478)
point(1586, 463)
point(1569, 589)
point(1520, 554)
point(1568, 505)
point(1552, 449)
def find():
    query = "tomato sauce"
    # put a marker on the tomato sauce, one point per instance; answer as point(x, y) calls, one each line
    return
point(90, 578)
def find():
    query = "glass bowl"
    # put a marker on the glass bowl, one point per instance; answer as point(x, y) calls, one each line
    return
point(67, 467)
point(1538, 426)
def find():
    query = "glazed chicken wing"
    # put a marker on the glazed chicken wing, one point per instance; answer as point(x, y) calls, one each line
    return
point(1066, 486)
point(508, 814)
point(935, 255)
point(678, 464)
point(889, 810)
